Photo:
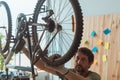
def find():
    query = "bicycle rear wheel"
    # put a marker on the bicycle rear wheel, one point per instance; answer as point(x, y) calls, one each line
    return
point(60, 30)
point(5, 27)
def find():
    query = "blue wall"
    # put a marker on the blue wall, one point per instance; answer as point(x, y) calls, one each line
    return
point(99, 7)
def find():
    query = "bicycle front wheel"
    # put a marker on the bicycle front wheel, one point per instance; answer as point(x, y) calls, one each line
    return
point(5, 26)
point(60, 30)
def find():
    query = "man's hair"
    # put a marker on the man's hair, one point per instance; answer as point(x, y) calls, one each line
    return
point(87, 52)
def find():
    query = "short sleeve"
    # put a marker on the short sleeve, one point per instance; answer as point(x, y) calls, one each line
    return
point(94, 76)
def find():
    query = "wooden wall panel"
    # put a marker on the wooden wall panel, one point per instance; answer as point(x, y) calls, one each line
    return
point(110, 69)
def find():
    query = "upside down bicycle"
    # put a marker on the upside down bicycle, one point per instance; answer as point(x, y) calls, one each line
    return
point(56, 26)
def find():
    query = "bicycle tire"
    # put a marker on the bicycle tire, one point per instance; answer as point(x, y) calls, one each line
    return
point(9, 27)
point(77, 34)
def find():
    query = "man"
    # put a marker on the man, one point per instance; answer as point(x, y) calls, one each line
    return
point(83, 60)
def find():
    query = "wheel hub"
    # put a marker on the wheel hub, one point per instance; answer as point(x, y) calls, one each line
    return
point(53, 26)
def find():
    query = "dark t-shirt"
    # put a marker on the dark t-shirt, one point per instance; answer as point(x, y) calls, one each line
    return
point(91, 75)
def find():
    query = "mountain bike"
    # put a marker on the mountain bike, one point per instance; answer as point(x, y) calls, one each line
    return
point(56, 26)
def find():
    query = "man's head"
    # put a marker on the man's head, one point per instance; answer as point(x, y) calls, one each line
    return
point(83, 60)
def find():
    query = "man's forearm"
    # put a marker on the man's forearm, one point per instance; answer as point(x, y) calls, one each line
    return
point(40, 64)
point(74, 76)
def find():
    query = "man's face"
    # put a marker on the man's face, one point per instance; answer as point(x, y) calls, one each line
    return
point(81, 63)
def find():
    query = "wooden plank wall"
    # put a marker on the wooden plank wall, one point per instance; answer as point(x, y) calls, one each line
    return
point(109, 69)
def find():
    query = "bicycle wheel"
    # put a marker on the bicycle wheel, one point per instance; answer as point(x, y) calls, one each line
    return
point(58, 29)
point(5, 26)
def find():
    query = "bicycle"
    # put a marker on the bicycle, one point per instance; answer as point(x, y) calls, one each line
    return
point(52, 20)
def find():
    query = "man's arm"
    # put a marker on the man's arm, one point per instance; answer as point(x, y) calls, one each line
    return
point(74, 76)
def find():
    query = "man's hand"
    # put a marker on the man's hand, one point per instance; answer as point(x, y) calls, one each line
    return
point(61, 69)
